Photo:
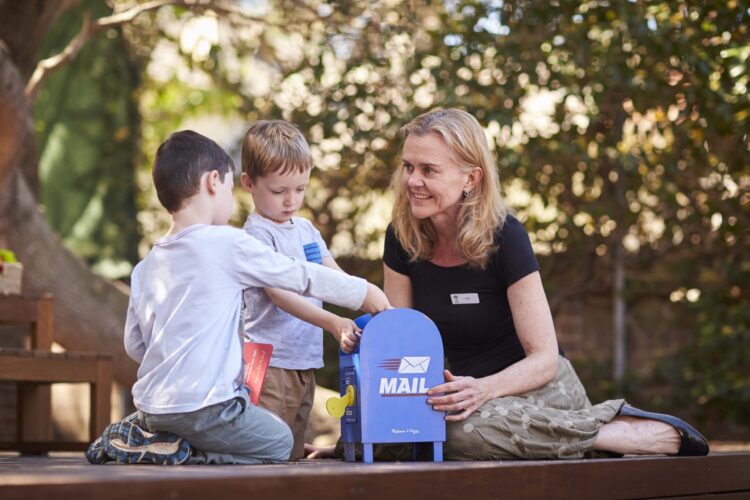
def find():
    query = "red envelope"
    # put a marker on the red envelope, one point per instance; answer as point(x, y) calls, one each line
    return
point(256, 356)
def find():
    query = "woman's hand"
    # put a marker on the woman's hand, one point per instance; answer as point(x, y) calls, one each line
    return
point(463, 395)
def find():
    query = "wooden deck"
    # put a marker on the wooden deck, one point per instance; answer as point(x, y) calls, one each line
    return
point(69, 476)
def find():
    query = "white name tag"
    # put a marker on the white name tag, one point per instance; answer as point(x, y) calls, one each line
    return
point(464, 298)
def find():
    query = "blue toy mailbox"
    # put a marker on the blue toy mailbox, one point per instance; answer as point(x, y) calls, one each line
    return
point(384, 384)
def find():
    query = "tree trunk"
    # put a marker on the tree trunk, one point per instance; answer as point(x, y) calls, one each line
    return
point(89, 311)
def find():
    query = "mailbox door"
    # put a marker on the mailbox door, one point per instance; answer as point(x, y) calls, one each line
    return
point(351, 423)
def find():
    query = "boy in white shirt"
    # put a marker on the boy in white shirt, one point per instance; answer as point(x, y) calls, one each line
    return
point(276, 165)
point(184, 323)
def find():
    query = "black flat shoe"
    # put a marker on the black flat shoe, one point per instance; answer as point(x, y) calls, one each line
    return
point(692, 442)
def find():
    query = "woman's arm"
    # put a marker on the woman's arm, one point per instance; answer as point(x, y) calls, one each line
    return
point(397, 287)
point(533, 322)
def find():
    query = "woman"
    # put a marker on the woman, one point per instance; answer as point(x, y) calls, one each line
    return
point(454, 252)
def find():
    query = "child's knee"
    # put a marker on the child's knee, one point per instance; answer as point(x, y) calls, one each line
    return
point(284, 445)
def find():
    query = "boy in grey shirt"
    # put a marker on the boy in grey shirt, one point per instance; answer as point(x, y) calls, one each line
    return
point(276, 165)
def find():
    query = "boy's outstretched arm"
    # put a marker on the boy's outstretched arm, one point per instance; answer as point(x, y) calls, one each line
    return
point(344, 330)
point(375, 301)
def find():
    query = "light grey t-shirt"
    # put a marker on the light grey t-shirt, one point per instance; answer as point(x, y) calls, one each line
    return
point(297, 345)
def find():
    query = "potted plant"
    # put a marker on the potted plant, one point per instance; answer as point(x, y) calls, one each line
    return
point(10, 272)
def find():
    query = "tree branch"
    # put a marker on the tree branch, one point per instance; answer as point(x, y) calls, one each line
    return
point(45, 67)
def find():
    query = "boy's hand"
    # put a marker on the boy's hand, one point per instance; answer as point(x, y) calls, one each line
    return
point(347, 334)
point(375, 300)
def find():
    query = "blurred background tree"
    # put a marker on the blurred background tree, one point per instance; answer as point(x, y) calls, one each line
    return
point(620, 128)
point(88, 125)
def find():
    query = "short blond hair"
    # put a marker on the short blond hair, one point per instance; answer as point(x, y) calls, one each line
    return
point(483, 210)
point(274, 145)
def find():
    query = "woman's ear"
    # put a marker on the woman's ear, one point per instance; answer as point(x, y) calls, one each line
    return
point(473, 179)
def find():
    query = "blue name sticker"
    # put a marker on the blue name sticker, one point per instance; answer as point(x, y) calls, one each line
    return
point(312, 253)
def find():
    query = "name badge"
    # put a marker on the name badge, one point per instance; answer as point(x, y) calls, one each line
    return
point(464, 298)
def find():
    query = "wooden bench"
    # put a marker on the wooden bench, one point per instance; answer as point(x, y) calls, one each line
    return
point(36, 367)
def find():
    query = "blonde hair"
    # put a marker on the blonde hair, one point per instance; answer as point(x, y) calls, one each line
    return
point(482, 211)
point(274, 145)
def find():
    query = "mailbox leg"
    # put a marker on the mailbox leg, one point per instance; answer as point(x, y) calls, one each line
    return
point(367, 453)
point(437, 451)
point(349, 452)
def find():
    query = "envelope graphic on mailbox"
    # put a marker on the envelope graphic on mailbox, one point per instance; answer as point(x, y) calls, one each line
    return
point(414, 364)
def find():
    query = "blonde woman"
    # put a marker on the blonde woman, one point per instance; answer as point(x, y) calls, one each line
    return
point(454, 252)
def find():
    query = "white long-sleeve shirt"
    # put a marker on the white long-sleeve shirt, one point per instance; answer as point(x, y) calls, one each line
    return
point(184, 317)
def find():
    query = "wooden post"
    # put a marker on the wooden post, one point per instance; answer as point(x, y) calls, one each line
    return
point(101, 393)
point(34, 404)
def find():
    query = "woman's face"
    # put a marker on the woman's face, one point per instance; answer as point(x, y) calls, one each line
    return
point(432, 179)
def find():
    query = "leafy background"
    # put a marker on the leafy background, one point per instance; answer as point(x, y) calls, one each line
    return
point(620, 129)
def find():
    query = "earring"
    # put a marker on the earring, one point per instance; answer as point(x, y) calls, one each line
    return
point(466, 194)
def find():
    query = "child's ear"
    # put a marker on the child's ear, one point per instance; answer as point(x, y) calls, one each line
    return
point(247, 182)
point(212, 179)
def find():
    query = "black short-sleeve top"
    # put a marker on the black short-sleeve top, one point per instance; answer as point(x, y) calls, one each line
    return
point(470, 306)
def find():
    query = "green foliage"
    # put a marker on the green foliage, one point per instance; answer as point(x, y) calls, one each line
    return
point(7, 256)
point(88, 128)
point(714, 374)
point(614, 123)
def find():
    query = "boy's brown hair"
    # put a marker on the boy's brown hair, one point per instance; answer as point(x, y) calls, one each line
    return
point(180, 162)
point(274, 145)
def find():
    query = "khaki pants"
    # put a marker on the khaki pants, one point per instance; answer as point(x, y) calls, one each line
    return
point(554, 421)
point(290, 394)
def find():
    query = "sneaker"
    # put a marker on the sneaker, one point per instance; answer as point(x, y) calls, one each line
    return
point(95, 453)
point(126, 443)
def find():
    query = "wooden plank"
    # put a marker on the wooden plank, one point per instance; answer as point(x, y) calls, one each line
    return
point(39, 447)
point(651, 477)
point(42, 332)
point(24, 369)
point(26, 353)
point(34, 403)
point(34, 412)
point(101, 394)
point(22, 309)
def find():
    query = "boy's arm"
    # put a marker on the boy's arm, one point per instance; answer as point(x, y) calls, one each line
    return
point(259, 265)
point(375, 295)
point(330, 263)
point(134, 344)
point(341, 328)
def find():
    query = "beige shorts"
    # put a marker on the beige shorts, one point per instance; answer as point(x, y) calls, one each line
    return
point(290, 394)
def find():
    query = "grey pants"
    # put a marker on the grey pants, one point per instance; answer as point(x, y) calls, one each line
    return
point(554, 421)
point(232, 432)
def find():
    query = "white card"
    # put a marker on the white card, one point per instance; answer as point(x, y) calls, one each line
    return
point(464, 298)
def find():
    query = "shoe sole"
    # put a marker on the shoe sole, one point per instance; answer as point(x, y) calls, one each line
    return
point(126, 443)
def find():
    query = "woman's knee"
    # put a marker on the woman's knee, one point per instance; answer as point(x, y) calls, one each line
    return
point(461, 442)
